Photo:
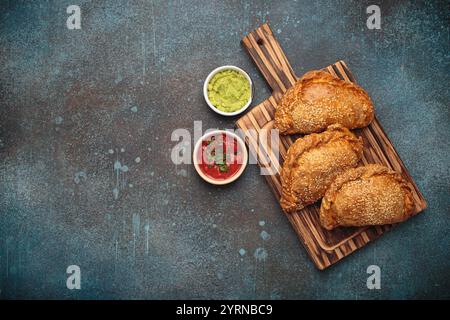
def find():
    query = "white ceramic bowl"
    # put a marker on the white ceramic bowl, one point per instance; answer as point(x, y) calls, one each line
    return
point(233, 177)
point(205, 90)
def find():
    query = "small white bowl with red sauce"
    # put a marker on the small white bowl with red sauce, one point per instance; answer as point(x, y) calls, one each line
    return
point(220, 157)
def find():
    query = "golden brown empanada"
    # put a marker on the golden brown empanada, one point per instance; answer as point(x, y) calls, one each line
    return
point(318, 100)
point(369, 195)
point(313, 162)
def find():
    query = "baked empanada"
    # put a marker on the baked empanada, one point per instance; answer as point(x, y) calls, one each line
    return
point(369, 195)
point(318, 100)
point(313, 162)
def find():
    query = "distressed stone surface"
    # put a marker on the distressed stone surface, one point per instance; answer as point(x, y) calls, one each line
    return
point(78, 108)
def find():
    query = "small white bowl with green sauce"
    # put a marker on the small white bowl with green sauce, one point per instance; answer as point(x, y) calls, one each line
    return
point(228, 90)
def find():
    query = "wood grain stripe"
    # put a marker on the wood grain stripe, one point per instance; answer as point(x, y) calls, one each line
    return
point(347, 71)
point(276, 82)
point(272, 54)
point(275, 54)
point(342, 72)
point(278, 49)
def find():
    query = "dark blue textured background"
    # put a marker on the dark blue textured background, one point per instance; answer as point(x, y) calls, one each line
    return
point(72, 103)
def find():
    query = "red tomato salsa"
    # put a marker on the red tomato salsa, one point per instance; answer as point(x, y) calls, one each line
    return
point(220, 156)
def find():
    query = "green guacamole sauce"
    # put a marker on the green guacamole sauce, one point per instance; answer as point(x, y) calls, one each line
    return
point(229, 90)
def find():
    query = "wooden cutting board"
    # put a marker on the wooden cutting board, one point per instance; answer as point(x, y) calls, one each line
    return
point(324, 247)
